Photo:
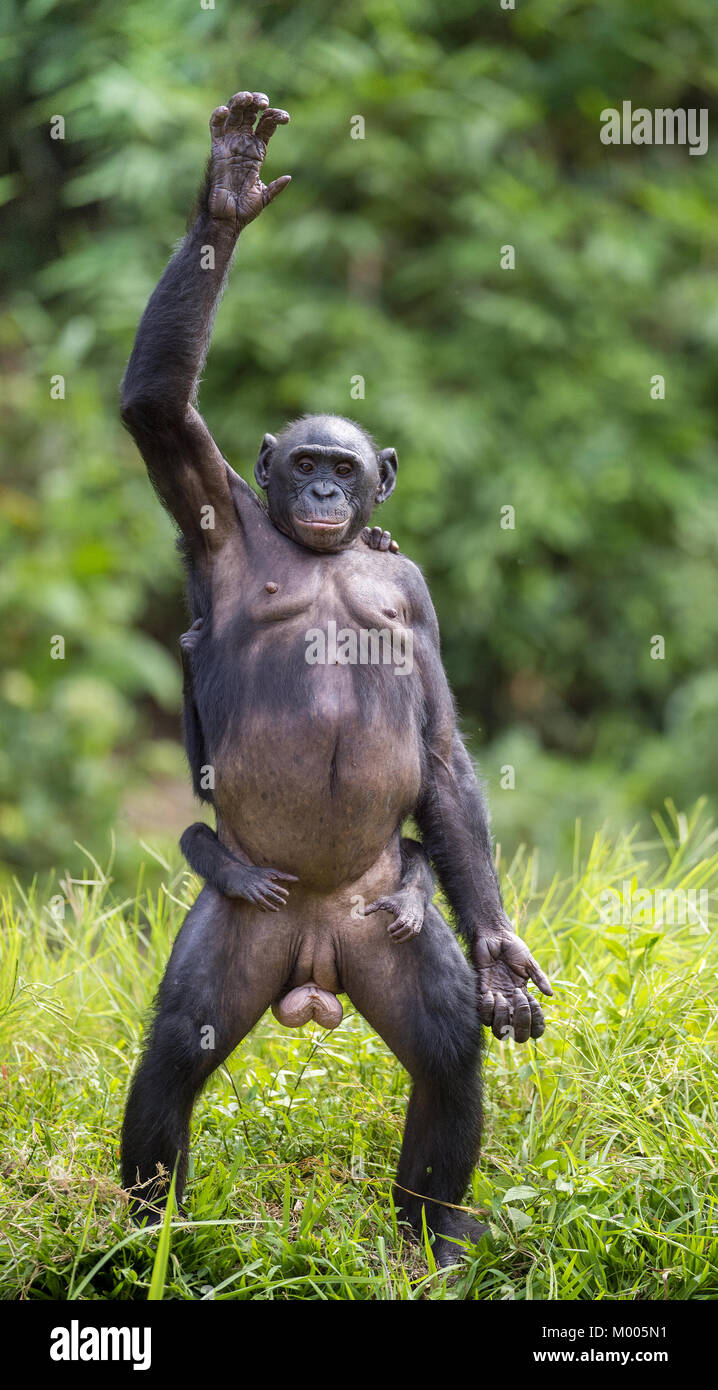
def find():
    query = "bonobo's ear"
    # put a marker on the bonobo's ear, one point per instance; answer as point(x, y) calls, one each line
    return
point(388, 464)
point(261, 467)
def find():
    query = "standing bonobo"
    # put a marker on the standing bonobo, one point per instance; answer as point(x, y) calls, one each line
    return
point(315, 765)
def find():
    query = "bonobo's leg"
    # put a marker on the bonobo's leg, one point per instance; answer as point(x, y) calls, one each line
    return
point(422, 1000)
point(230, 875)
point(219, 981)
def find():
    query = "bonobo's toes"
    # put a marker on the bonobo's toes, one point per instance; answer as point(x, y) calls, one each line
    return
point(405, 927)
point(308, 1002)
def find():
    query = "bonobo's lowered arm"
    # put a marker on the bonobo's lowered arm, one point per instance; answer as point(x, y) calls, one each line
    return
point(160, 387)
point(455, 830)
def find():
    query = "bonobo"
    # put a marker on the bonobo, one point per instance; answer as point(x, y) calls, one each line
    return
point(315, 765)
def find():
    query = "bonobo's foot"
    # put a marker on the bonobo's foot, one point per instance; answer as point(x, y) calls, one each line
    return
point(459, 1226)
point(189, 639)
point(153, 1214)
point(408, 907)
point(505, 965)
point(263, 887)
point(148, 1201)
point(308, 1002)
point(376, 539)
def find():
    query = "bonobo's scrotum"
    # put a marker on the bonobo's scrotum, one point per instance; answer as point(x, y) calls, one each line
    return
point(315, 766)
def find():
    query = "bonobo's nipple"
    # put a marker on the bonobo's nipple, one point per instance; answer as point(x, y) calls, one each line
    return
point(390, 613)
point(271, 587)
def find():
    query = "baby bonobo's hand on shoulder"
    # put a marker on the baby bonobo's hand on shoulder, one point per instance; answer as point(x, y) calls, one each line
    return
point(376, 539)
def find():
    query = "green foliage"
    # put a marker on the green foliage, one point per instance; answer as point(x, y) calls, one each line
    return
point(528, 388)
point(597, 1175)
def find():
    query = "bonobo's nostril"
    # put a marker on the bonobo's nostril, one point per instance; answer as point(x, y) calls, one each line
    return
point(324, 490)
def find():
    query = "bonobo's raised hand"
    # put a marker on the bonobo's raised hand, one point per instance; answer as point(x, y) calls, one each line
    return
point(505, 965)
point(236, 193)
point(376, 539)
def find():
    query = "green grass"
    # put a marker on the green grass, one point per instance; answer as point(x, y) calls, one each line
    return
point(598, 1171)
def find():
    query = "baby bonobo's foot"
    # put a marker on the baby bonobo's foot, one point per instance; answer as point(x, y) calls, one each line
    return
point(189, 639)
point(407, 904)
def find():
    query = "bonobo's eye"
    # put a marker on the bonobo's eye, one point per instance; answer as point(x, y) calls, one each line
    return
point(344, 469)
point(305, 465)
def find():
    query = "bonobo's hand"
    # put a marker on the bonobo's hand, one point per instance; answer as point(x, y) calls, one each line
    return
point(376, 539)
point(408, 908)
point(236, 192)
point(258, 886)
point(504, 965)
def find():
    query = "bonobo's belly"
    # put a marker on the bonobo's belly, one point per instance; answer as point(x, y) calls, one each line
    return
point(317, 781)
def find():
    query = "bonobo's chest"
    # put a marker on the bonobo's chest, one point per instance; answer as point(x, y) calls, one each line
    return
point(280, 588)
point(300, 642)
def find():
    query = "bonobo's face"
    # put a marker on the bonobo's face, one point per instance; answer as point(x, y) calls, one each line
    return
point(323, 479)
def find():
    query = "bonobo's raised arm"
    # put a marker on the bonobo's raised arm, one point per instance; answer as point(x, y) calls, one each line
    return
point(455, 830)
point(159, 391)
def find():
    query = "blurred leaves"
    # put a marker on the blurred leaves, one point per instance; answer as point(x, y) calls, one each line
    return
point(528, 388)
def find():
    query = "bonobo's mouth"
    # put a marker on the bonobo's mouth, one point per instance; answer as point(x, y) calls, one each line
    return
point(320, 533)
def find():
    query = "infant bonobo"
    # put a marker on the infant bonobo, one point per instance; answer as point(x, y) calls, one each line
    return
point(314, 764)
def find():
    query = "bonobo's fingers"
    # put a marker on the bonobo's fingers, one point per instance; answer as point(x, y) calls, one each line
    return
point(517, 955)
point(522, 1017)
point(260, 886)
point(538, 1026)
point(275, 187)
point(538, 977)
point(218, 119)
point(501, 1021)
point(486, 1008)
point(272, 894)
point(243, 109)
point(376, 539)
point(268, 122)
